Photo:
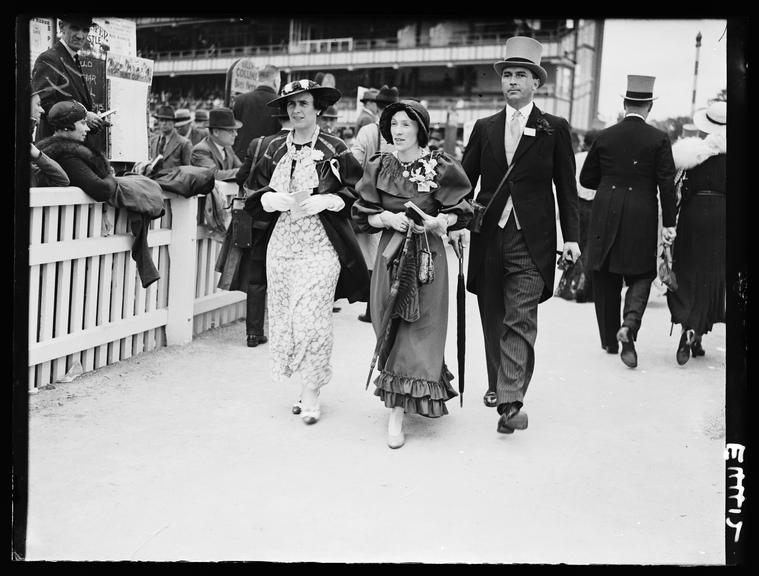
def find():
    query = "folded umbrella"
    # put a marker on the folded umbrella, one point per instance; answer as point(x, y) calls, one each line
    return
point(458, 247)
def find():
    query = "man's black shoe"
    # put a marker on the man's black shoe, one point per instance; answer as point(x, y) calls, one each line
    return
point(254, 340)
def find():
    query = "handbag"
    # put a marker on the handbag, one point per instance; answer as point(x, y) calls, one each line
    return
point(242, 224)
point(426, 265)
point(475, 225)
point(666, 273)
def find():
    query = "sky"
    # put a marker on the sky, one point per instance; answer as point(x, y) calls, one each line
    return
point(665, 49)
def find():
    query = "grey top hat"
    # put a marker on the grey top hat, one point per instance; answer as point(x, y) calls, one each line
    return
point(640, 88)
point(523, 52)
point(223, 118)
point(165, 112)
point(330, 95)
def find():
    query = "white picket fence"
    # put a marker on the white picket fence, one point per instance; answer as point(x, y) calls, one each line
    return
point(87, 307)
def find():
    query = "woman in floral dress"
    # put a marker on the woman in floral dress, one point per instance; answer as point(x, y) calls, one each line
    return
point(413, 375)
point(305, 189)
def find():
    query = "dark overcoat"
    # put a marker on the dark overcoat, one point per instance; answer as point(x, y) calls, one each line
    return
point(56, 78)
point(353, 282)
point(541, 161)
point(256, 116)
point(630, 165)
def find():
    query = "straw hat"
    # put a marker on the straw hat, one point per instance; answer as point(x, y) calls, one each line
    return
point(712, 119)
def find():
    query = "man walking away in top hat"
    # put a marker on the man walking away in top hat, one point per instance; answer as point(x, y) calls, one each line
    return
point(628, 165)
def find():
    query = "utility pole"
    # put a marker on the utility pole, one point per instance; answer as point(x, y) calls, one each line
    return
point(695, 75)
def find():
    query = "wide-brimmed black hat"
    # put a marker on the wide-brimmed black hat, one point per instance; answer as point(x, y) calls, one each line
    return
point(523, 52)
point(387, 94)
point(223, 118)
point(65, 114)
point(164, 113)
point(329, 95)
point(416, 112)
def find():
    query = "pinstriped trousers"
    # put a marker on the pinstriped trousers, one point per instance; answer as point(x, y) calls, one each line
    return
point(508, 302)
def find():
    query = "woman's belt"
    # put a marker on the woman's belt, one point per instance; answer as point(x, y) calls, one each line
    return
point(709, 193)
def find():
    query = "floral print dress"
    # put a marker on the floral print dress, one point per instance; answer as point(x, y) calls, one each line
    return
point(302, 270)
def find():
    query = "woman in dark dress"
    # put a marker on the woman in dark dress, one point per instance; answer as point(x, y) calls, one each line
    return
point(413, 375)
point(699, 248)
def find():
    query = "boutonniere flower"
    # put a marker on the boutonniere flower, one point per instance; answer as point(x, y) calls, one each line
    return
point(317, 155)
point(423, 174)
point(544, 126)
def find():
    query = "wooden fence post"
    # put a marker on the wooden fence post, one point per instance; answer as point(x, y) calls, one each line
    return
point(183, 259)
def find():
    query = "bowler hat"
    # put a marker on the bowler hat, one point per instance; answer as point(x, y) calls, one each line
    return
point(370, 95)
point(640, 88)
point(164, 113)
point(523, 52)
point(182, 117)
point(387, 94)
point(65, 114)
point(712, 118)
point(416, 112)
point(81, 20)
point(330, 112)
point(329, 95)
point(223, 118)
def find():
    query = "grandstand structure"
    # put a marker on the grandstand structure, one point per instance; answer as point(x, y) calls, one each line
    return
point(447, 64)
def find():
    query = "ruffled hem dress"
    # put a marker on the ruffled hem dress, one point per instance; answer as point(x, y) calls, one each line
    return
point(413, 372)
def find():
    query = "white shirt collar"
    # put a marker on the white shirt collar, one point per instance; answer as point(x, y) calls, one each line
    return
point(219, 146)
point(68, 48)
point(635, 114)
point(525, 111)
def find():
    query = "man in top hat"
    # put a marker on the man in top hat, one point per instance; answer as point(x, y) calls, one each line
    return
point(183, 122)
point(215, 151)
point(175, 149)
point(370, 112)
point(57, 75)
point(252, 110)
point(327, 120)
point(513, 257)
point(199, 126)
point(628, 165)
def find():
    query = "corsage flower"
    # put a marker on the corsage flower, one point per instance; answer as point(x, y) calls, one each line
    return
point(422, 175)
point(544, 126)
point(317, 155)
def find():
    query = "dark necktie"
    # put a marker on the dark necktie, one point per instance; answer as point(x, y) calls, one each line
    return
point(161, 144)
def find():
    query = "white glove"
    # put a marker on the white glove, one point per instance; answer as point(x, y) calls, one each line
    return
point(668, 235)
point(320, 202)
point(277, 201)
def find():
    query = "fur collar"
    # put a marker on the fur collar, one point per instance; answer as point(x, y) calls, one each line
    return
point(58, 147)
point(690, 152)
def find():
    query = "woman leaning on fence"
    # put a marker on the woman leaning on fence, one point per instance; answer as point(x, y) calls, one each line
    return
point(411, 332)
point(304, 192)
